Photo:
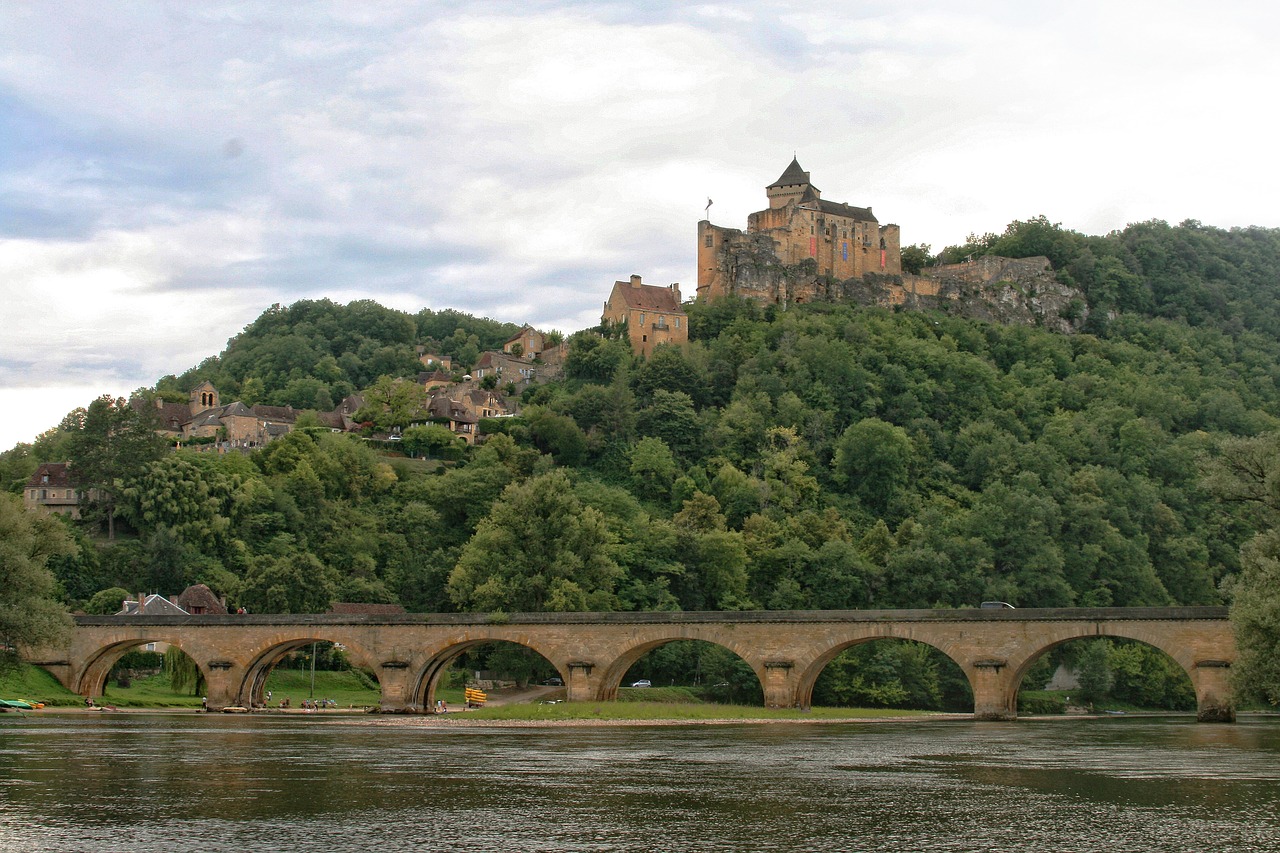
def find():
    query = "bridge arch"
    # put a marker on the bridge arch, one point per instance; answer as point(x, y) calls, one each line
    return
point(1184, 656)
point(434, 662)
point(610, 677)
point(251, 688)
point(91, 679)
point(808, 675)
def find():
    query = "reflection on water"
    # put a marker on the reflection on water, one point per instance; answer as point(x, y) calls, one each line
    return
point(163, 783)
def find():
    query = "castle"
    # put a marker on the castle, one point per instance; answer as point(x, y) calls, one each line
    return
point(803, 248)
point(799, 225)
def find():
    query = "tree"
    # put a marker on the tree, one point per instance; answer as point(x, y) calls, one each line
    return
point(873, 457)
point(106, 602)
point(915, 258)
point(294, 582)
point(113, 441)
point(434, 440)
point(1094, 672)
point(1248, 472)
point(538, 549)
point(30, 614)
point(653, 468)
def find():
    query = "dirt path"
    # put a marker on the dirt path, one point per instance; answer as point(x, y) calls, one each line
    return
point(498, 698)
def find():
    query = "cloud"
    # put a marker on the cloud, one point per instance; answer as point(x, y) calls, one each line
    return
point(168, 172)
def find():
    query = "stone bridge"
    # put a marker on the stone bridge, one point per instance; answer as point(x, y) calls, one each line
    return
point(593, 651)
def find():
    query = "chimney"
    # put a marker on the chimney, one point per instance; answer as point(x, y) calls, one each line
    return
point(675, 291)
point(635, 281)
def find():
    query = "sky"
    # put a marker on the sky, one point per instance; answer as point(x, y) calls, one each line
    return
point(170, 170)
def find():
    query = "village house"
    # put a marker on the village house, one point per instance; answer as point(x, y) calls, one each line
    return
point(507, 368)
point(195, 600)
point(434, 361)
point(462, 407)
point(436, 379)
point(529, 341)
point(49, 490)
point(452, 413)
point(653, 315)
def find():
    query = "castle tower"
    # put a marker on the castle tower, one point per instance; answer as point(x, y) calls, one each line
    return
point(792, 186)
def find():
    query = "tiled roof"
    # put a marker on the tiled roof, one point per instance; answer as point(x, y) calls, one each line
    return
point(200, 599)
point(792, 176)
point(285, 414)
point(862, 214)
point(152, 605)
point(56, 472)
point(332, 420)
point(520, 334)
point(646, 297)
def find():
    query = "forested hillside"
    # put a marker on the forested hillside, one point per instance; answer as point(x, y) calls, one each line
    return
point(827, 456)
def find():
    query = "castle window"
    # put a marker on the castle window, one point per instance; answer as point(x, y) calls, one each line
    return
point(708, 241)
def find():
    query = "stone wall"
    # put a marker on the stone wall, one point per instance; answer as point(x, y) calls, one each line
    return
point(1016, 291)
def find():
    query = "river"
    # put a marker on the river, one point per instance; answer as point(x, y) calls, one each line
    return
point(220, 783)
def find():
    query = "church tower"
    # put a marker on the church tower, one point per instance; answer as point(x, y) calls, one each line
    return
point(203, 396)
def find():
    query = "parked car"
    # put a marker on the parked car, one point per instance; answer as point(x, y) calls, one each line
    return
point(554, 681)
point(644, 682)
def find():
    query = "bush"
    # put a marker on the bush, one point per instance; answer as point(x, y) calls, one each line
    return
point(1036, 702)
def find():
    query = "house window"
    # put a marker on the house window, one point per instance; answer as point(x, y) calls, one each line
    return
point(642, 319)
point(677, 322)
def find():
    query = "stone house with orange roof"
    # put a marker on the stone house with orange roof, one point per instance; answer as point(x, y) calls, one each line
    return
point(653, 315)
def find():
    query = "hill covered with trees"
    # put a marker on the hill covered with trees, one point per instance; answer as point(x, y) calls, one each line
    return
point(825, 456)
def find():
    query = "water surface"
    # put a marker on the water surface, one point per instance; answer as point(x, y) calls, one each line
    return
point(192, 782)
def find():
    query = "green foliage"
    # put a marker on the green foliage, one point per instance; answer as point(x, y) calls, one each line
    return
point(893, 674)
point(107, 602)
point(822, 456)
point(112, 442)
point(30, 613)
point(183, 674)
point(538, 549)
point(1247, 474)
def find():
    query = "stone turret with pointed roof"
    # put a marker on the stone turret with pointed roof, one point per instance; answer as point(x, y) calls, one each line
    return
point(792, 185)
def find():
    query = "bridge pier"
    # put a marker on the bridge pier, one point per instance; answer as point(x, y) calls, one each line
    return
point(779, 684)
point(222, 680)
point(394, 687)
point(1211, 679)
point(993, 696)
point(580, 687)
